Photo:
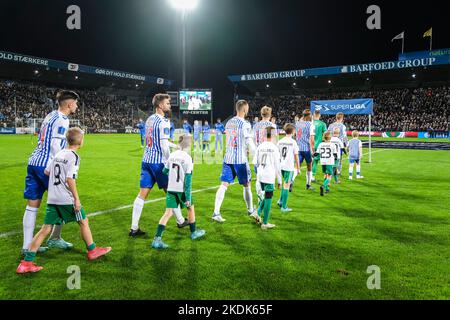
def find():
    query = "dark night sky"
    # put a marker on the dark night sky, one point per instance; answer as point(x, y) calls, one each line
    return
point(224, 36)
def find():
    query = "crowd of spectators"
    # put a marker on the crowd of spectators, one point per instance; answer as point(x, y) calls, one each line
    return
point(20, 102)
point(420, 109)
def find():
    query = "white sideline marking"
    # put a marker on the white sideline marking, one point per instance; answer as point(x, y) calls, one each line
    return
point(94, 214)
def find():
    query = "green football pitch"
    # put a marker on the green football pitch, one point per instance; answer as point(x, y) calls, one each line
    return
point(397, 219)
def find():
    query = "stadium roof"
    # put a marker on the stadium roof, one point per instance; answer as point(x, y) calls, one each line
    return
point(22, 67)
point(412, 69)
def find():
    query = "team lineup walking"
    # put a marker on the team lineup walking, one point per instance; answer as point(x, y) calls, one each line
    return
point(170, 167)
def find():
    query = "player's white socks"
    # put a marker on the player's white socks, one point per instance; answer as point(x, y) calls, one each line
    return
point(138, 206)
point(178, 215)
point(350, 171)
point(248, 197)
point(220, 195)
point(56, 232)
point(29, 223)
point(308, 177)
point(358, 170)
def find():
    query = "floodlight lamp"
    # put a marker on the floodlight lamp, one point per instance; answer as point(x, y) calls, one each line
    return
point(184, 4)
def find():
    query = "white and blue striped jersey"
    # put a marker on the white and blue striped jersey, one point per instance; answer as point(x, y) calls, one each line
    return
point(354, 147)
point(342, 131)
point(51, 140)
point(157, 128)
point(238, 130)
point(260, 131)
point(304, 130)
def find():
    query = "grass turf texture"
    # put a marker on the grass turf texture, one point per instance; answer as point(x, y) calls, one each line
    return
point(397, 218)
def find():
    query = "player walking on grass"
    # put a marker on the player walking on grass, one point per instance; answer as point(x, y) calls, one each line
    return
point(340, 149)
point(328, 155)
point(63, 203)
point(235, 163)
point(305, 140)
point(355, 156)
point(206, 130)
point(51, 140)
point(179, 168)
point(267, 161)
point(156, 154)
point(220, 129)
point(342, 134)
point(320, 128)
point(290, 164)
point(197, 133)
point(141, 127)
point(260, 137)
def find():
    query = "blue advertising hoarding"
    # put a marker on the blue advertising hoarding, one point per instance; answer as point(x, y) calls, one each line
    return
point(353, 106)
point(55, 64)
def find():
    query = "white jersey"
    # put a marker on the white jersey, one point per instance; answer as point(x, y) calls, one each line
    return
point(64, 165)
point(238, 130)
point(157, 128)
point(288, 149)
point(179, 165)
point(339, 146)
point(267, 160)
point(51, 140)
point(260, 131)
point(327, 150)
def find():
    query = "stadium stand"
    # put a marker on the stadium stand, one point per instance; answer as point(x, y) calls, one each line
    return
point(420, 109)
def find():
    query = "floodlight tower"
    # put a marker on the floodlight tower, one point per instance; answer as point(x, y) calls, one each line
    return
point(185, 6)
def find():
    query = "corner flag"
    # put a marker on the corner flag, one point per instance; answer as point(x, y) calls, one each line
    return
point(429, 34)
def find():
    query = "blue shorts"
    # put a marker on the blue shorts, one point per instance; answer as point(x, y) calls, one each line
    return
point(353, 161)
point(305, 155)
point(196, 138)
point(152, 173)
point(36, 183)
point(230, 171)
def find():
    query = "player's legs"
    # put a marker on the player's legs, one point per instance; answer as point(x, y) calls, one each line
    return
point(195, 233)
point(36, 183)
point(268, 195)
point(350, 169)
point(27, 265)
point(308, 159)
point(93, 251)
point(358, 170)
point(227, 177)
point(244, 176)
point(39, 238)
point(287, 179)
point(157, 241)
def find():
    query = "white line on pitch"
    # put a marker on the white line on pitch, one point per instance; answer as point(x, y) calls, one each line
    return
point(94, 214)
point(12, 233)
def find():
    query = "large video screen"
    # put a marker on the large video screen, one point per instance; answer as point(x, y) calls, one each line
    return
point(193, 100)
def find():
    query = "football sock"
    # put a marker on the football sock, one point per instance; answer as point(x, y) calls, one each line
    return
point(137, 211)
point(192, 227)
point(335, 175)
point(267, 206)
point(358, 170)
point(261, 208)
point(29, 222)
point(314, 168)
point(350, 171)
point(160, 230)
point(56, 232)
point(284, 197)
point(91, 247)
point(220, 195)
point(248, 197)
point(308, 177)
point(178, 215)
point(30, 256)
point(326, 183)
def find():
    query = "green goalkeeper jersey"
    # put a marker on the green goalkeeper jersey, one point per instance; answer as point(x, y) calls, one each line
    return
point(320, 128)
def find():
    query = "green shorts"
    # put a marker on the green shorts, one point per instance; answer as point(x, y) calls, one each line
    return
point(175, 199)
point(266, 187)
point(327, 169)
point(59, 214)
point(287, 176)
